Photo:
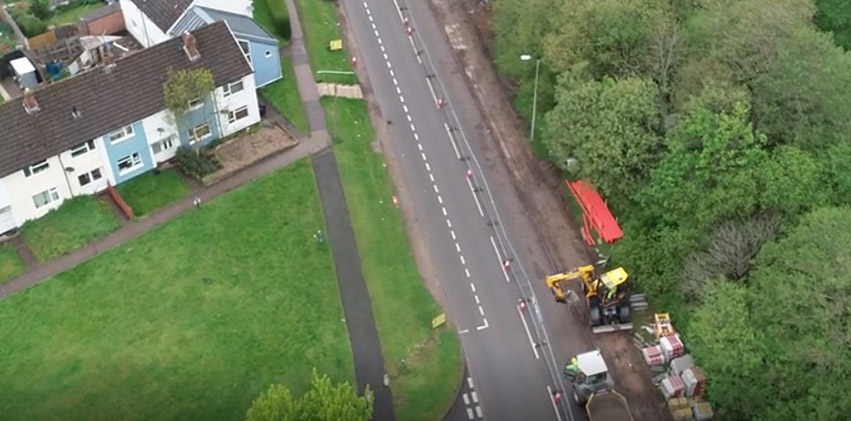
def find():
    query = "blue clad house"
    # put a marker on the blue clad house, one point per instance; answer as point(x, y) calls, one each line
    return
point(259, 47)
point(127, 149)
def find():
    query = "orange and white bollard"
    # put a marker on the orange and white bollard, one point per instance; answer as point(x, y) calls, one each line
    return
point(395, 201)
point(410, 31)
point(522, 304)
point(354, 61)
point(440, 102)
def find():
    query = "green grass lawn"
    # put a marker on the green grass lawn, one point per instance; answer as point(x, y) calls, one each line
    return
point(74, 224)
point(188, 322)
point(72, 14)
point(10, 263)
point(319, 20)
point(263, 16)
point(423, 386)
point(284, 96)
point(149, 192)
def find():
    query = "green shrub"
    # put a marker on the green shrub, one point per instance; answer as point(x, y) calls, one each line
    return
point(41, 9)
point(30, 25)
point(280, 17)
point(197, 163)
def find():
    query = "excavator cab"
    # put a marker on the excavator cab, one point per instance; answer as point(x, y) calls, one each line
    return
point(607, 296)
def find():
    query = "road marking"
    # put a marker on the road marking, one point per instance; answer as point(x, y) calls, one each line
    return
point(470, 413)
point(463, 331)
point(451, 232)
point(404, 107)
point(413, 129)
point(463, 262)
point(499, 259)
point(431, 177)
point(398, 89)
point(457, 248)
point(479, 411)
point(475, 398)
point(466, 399)
point(555, 408)
point(477, 299)
point(475, 196)
point(409, 117)
point(381, 47)
point(452, 141)
point(467, 272)
point(444, 212)
point(396, 82)
point(470, 382)
point(385, 56)
point(365, 6)
point(484, 326)
point(428, 168)
point(481, 311)
point(373, 27)
point(392, 74)
point(435, 188)
point(420, 146)
point(376, 33)
point(416, 137)
point(449, 223)
point(389, 66)
point(431, 88)
point(379, 42)
point(440, 200)
point(402, 99)
point(368, 15)
point(528, 334)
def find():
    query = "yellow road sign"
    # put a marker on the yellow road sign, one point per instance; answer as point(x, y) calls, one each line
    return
point(335, 45)
point(438, 321)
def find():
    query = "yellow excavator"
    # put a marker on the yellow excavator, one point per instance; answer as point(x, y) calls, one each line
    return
point(607, 296)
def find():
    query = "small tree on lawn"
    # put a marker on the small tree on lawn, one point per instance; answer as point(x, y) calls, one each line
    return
point(325, 401)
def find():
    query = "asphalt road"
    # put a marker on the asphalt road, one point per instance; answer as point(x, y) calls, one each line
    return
point(513, 361)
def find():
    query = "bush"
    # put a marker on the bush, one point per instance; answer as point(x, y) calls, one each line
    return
point(41, 9)
point(280, 17)
point(197, 163)
point(30, 25)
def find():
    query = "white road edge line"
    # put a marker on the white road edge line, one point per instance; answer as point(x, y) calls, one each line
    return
point(452, 233)
point(499, 259)
point(477, 298)
point(431, 88)
point(555, 408)
point(470, 382)
point(461, 332)
point(481, 311)
point(485, 326)
point(467, 272)
point(528, 334)
point(470, 413)
point(452, 141)
point(473, 287)
point(457, 247)
point(478, 205)
point(463, 262)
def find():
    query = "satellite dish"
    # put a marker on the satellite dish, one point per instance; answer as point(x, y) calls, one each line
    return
point(69, 169)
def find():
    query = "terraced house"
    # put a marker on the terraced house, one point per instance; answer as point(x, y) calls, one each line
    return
point(154, 21)
point(109, 124)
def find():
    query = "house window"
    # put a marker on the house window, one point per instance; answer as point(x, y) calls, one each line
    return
point(36, 168)
point(246, 49)
point(163, 145)
point(199, 133)
point(45, 198)
point(82, 148)
point(232, 88)
point(119, 135)
point(129, 163)
point(195, 103)
point(88, 177)
point(237, 114)
point(268, 54)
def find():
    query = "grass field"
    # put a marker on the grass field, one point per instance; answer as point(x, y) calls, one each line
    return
point(188, 322)
point(73, 14)
point(263, 16)
point(319, 20)
point(74, 224)
point(424, 385)
point(284, 96)
point(10, 263)
point(149, 192)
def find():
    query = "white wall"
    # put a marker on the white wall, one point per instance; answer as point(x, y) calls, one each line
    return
point(21, 190)
point(158, 127)
point(143, 29)
point(240, 7)
point(85, 163)
point(247, 97)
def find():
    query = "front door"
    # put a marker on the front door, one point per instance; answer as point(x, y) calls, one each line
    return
point(7, 222)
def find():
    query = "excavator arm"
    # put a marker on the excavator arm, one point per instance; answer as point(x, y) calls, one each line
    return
point(554, 282)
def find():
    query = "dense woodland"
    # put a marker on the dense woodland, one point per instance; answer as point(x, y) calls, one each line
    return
point(720, 133)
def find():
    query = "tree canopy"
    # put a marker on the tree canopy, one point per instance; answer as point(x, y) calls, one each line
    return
point(325, 401)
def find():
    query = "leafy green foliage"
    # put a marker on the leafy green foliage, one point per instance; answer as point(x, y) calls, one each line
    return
point(41, 9)
point(29, 24)
point(183, 86)
point(197, 163)
point(835, 16)
point(325, 401)
point(610, 127)
point(279, 17)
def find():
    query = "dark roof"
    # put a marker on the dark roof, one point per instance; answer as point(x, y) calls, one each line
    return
point(110, 100)
point(163, 12)
point(242, 26)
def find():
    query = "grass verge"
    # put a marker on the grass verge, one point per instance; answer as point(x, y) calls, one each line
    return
point(284, 96)
point(319, 20)
point(189, 321)
point(10, 263)
point(425, 364)
point(265, 17)
point(74, 224)
point(150, 191)
point(72, 14)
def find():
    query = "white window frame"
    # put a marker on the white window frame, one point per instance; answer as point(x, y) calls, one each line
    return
point(91, 175)
point(135, 160)
point(36, 168)
point(162, 144)
point(245, 51)
point(195, 104)
point(193, 137)
point(228, 89)
point(232, 118)
point(50, 195)
point(82, 149)
point(122, 134)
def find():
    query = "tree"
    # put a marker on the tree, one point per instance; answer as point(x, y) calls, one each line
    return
point(184, 86)
point(41, 9)
point(839, 170)
point(835, 16)
point(325, 401)
point(611, 127)
point(519, 28)
point(792, 181)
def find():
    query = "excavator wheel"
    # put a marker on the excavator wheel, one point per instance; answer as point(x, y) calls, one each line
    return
point(624, 313)
point(595, 313)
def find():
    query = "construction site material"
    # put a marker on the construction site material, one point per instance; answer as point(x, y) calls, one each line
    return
point(702, 411)
point(680, 364)
point(675, 404)
point(595, 213)
point(694, 381)
point(673, 386)
point(662, 323)
point(672, 346)
point(682, 414)
point(608, 406)
point(653, 355)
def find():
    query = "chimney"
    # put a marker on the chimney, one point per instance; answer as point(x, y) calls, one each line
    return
point(76, 113)
point(190, 46)
point(30, 103)
point(108, 59)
